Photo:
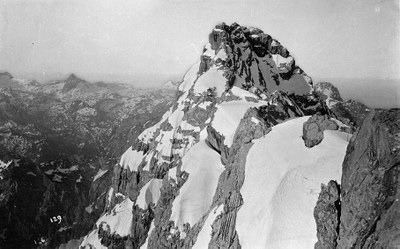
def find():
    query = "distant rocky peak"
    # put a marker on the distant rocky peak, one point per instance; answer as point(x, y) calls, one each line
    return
point(253, 61)
point(72, 82)
point(6, 75)
point(72, 77)
point(327, 90)
point(171, 84)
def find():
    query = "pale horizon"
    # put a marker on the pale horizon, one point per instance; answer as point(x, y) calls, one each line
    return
point(149, 42)
point(129, 40)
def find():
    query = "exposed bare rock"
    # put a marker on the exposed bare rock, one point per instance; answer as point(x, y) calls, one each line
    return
point(328, 92)
point(350, 112)
point(370, 213)
point(231, 180)
point(313, 129)
point(327, 215)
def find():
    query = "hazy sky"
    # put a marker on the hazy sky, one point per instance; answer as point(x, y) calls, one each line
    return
point(153, 40)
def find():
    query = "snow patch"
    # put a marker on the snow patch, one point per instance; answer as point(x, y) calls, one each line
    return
point(99, 174)
point(254, 120)
point(92, 240)
point(110, 193)
point(131, 159)
point(89, 208)
point(210, 79)
point(228, 116)
point(241, 93)
point(188, 127)
point(119, 220)
point(149, 193)
point(190, 78)
point(31, 173)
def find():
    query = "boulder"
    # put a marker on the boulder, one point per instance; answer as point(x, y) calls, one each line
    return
point(313, 129)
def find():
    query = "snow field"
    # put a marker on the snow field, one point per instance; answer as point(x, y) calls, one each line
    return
point(212, 78)
point(131, 159)
point(92, 240)
point(204, 237)
point(119, 220)
point(204, 167)
point(282, 182)
point(228, 116)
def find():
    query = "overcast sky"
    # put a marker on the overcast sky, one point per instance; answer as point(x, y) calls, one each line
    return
point(151, 41)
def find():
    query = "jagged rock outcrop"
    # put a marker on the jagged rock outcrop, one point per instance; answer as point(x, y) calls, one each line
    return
point(349, 112)
point(252, 126)
point(313, 129)
point(328, 92)
point(326, 214)
point(370, 187)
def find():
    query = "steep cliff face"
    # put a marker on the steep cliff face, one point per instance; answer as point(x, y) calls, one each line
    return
point(218, 169)
point(369, 212)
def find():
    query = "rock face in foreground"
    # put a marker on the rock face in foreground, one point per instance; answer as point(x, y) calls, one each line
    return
point(370, 190)
point(327, 215)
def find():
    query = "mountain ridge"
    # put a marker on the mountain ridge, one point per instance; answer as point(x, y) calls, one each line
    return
point(244, 87)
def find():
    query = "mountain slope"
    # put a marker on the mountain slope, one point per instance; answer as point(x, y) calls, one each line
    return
point(245, 92)
point(58, 144)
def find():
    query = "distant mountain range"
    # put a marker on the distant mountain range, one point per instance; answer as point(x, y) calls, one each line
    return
point(59, 142)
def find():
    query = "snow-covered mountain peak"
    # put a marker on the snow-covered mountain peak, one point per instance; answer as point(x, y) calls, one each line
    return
point(186, 172)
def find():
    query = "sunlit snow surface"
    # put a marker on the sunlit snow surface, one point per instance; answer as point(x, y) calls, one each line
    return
point(149, 193)
point(131, 159)
point(204, 237)
point(282, 182)
point(212, 78)
point(92, 240)
point(228, 116)
point(204, 167)
point(99, 174)
point(119, 220)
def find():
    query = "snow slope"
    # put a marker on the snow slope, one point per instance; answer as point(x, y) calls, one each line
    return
point(92, 240)
point(99, 174)
point(149, 193)
point(204, 167)
point(131, 159)
point(282, 182)
point(119, 220)
point(204, 237)
point(228, 116)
